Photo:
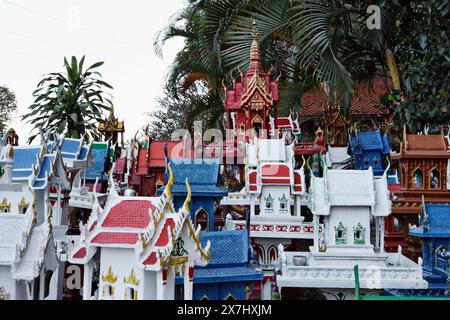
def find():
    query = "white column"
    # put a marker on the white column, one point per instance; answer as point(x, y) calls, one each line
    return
point(252, 205)
point(87, 279)
point(41, 284)
point(381, 234)
point(316, 232)
point(169, 286)
point(377, 233)
point(266, 292)
point(159, 286)
point(188, 281)
point(298, 206)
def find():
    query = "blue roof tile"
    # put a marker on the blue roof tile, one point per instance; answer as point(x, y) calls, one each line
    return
point(25, 157)
point(46, 166)
point(71, 146)
point(369, 140)
point(227, 247)
point(438, 222)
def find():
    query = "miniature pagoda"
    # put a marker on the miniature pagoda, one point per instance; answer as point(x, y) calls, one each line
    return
point(143, 243)
point(271, 200)
point(346, 201)
point(249, 103)
point(369, 149)
point(422, 162)
point(111, 127)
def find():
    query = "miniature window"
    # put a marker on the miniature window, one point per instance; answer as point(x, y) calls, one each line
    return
point(435, 179)
point(130, 293)
point(5, 206)
point(359, 233)
point(202, 218)
point(269, 202)
point(340, 234)
point(109, 278)
point(418, 179)
point(23, 206)
point(366, 163)
point(375, 162)
point(108, 291)
point(283, 203)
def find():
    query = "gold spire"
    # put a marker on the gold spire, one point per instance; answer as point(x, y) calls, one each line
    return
point(255, 57)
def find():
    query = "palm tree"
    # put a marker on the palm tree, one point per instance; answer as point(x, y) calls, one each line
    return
point(72, 102)
point(306, 42)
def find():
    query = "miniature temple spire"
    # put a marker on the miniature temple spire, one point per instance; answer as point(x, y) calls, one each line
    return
point(255, 56)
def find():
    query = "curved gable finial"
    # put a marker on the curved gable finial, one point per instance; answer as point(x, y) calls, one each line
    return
point(189, 196)
point(168, 189)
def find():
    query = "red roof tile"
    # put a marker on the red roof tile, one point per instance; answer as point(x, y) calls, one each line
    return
point(142, 167)
point(80, 254)
point(365, 100)
point(115, 238)
point(93, 226)
point(151, 259)
point(129, 214)
point(164, 236)
point(157, 156)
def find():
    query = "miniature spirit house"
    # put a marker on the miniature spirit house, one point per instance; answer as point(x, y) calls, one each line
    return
point(347, 201)
point(369, 149)
point(434, 230)
point(422, 161)
point(28, 261)
point(203, 175)
point(272, 197)
point(141, 244)
point(249, 103)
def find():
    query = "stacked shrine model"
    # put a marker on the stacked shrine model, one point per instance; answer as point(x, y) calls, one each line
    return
point(422, 162)
point(273, 193)
point(347, 201)
point(28, 254)
point(138, 245)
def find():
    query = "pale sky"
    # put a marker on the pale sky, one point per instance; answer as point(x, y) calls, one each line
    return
point(36, 35)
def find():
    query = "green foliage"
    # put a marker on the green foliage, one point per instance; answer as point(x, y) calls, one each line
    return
point(424, 60)
point(72, 102)
point(180, 112)
point(8, 105)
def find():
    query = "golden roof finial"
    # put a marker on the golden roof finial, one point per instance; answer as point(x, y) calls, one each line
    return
point(169, 185)
point(189, 196)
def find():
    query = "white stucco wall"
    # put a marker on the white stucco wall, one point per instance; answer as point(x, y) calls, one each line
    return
point(276, 193)
point(7, 282)
point(349, 217)
point(122, 261)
